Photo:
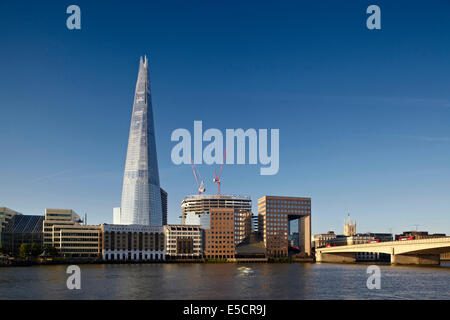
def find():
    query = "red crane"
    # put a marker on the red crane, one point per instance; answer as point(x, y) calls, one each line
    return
point(200, 185)
point(217, 177)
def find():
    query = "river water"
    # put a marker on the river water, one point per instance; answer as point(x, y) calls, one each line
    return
point(225, 281)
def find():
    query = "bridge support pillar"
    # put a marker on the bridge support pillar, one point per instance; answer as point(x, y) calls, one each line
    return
point(423, 259)
point(348, 257)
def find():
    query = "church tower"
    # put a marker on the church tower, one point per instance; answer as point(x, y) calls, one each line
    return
point(349, 227)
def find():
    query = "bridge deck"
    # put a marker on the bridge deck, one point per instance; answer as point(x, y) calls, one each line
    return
point(391, 247)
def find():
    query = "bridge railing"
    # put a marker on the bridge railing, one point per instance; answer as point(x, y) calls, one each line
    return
point(388, 243)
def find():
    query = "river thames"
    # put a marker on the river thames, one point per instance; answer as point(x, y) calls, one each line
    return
point(225, 281)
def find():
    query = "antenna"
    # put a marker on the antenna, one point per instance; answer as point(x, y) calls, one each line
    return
point(416, 225)
point(217, 177)
point(200, 185)
point(85, 218)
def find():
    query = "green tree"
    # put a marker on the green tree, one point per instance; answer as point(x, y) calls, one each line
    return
point(25, 250)
point(35, 249)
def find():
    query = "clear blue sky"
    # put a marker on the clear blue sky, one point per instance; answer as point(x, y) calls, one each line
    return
point(363, 115)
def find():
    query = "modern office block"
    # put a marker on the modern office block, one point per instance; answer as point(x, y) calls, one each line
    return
point(77, 241)
point(116, 215)
point(277, 212)
point(6, 215)
point(141, 194)
point(164, 206)
point(61, 217)
point(63, 230)
point(21, 229)
point(220, 237)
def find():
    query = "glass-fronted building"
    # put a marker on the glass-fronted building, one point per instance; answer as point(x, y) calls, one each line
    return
point(141, 193)
point(21, 229)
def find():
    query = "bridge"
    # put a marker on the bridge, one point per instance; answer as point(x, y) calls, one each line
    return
point(422, 251)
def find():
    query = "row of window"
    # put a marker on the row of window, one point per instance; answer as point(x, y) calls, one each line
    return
point(78, 245)
point(134, 256)
point(220, 256)
point(271, 201)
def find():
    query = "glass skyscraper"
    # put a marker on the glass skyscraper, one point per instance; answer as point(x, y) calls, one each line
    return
point(141, 194)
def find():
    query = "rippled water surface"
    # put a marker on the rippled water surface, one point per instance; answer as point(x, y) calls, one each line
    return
point(225, 281)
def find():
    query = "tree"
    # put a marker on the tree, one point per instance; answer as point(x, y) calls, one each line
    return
point(25, 250)
point(50, 250)
point(35, 249)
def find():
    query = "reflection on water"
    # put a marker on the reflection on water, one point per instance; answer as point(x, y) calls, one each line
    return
point(225, 281)
point(245, 271)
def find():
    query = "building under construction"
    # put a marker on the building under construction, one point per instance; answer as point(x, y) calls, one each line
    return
point(196, 209)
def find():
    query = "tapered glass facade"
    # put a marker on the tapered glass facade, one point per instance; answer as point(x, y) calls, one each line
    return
point(141, 194)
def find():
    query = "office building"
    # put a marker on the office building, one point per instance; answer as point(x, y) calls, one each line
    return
point(277, 213)
point(220, 238)
point(116, 215)
point(257, 223)
point(21, 229)
point(63, 230)
point(133, 243)
point(77, 241)
point(293, 239)
point(117, 219)
point(243, 225)
point(60, 217)
point(417, 235)
point(164, 206)
point(184, 242)
point(323, 239)
point(6, 215)
point(141, 194)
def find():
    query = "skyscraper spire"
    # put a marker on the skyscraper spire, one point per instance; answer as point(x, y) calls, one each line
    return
point(141, 194)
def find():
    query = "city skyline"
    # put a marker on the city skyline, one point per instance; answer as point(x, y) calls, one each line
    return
point(362, 116)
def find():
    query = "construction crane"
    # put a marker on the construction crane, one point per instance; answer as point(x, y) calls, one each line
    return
point(217, 177)
point(200, 185)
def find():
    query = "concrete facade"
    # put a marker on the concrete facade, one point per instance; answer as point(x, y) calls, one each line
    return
point(60, 217)
point(424, 259)
point(133, 243)
point(184, 241)
point(198, 205)
point(77, 240)
point(344, 257)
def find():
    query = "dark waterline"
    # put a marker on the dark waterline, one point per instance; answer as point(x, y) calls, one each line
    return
point(225, 281)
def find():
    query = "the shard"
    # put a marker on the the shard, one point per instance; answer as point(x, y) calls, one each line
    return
point(141, 194)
